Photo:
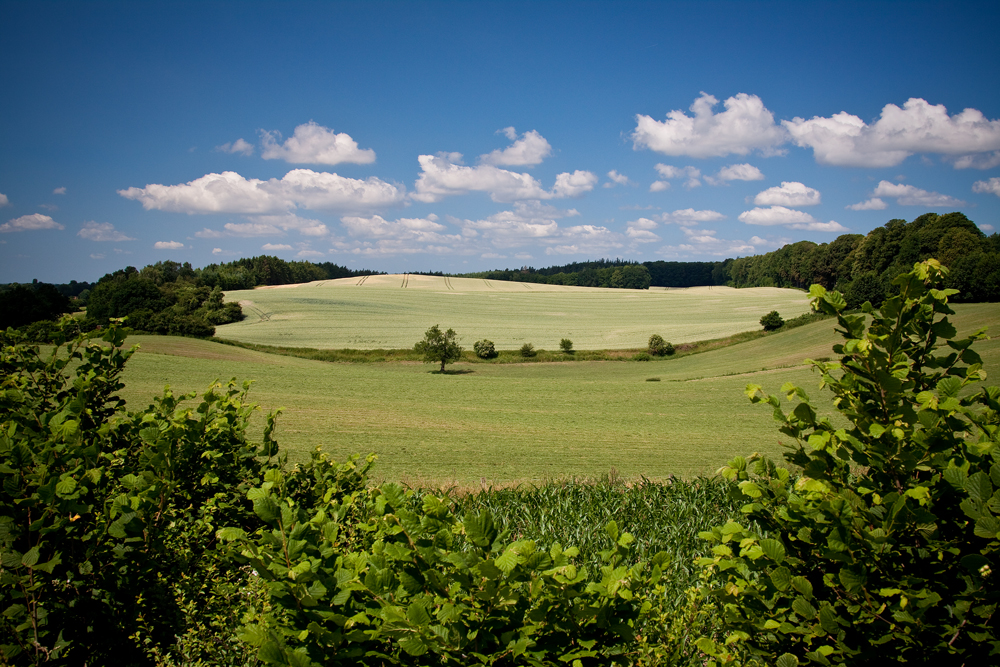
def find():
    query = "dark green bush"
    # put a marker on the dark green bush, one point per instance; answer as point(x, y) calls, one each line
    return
point(642, 356)
point(659, 347)
point(528, 350)
point(485, 349)
point(566, 345)
point(772, 321)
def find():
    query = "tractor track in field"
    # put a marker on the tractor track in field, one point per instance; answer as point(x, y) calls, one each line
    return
point(447, 283)
point(362, 281)
point(406, 280)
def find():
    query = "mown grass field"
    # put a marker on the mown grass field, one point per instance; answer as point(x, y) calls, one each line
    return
point(489, 424)
point(394, 311)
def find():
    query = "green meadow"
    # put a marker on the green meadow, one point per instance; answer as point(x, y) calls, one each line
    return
point(393, 311)
point(484, 424)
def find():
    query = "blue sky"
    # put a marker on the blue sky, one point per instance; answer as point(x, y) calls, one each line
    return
point(463, 136)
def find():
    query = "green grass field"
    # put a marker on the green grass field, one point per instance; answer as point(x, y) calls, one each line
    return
point(519, 422)
point(394, 311)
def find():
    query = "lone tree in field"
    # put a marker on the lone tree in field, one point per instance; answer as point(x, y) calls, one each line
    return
point(439, 346)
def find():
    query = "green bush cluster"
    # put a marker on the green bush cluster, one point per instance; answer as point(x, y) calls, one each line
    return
point(772, 321)
point(485, 349)
point(528, 350)
point(658, 347)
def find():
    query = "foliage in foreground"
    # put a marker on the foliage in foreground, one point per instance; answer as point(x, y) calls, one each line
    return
point(885, 549)
point(108, 519)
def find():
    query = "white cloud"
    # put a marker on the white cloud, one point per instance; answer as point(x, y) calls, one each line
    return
point(403, 236)
point(668, 172)
point(102, 231)
point(276, 246)
point(919, 127)
point(639, 231)
point(744, 126)
point(739, 172)
point(990, 186)
point(983, 161)
point(585, 240)
point(168, 245)
point(3, 200)
point(617, 179)
point(986, 228)
point(688, 216)
point(249, 229)
point(30, 223)
point(790, 193)
point(240, 146)
point(207, 233)
point(289, 221)
point(780, 215)
point(307, 252)
point(443, 175)
point(59, 191)
point(314, 144)
point(873, 204)
point(908, 195)
point(659, 186)
point(97, 256)
point(230, 192)
point(705, 242)
point(527, 151)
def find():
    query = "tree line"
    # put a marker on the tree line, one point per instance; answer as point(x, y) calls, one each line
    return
point(862, 267)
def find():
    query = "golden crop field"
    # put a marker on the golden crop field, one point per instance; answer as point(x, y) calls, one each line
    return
point(393, 311)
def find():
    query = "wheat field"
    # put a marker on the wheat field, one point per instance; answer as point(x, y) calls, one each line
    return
point(393, 311)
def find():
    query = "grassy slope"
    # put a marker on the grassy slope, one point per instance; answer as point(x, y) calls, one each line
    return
point(380, 313)
point(519, 421)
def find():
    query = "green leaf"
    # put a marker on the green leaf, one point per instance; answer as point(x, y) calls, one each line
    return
point(773, 549)
point(802, 607)
point(851, 580)
point(786, 660)
point(508, 561)
point(802, 585)
point(979, 487)
point(987, 526)
point(30, 557)
point(417, 614)
point(480, 528)
point(413, 644)
point(781, 578)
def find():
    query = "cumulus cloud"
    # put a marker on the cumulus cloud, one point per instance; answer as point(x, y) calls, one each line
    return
point(744, 126)
point(640, 231)
point(617, 179)
point(873, 204)
point(229, 192)
point(780, 215)
point(990, 186)
point(585, 240)
point(737, 172)
point(687, 217)
point(240, 146)
point(918, 127)
point(705, 242)
point(275, 246)
point(443, 175)
point(102, 231)
point(908, 195)
point(669, 172)
point(527, 151)
point(217, 251)
point(207, 233)
point(168, 245)
point(3, 200)
point(59, 191)
point(983, 161)
point(379, 236)
point(790, 193)
point(31, 222)
point(312, 143)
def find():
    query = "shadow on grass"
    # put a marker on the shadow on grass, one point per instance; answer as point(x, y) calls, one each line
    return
point(456, 371)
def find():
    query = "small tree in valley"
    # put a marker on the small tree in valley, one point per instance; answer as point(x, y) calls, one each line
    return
point(439, 346)
point(566, 345)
